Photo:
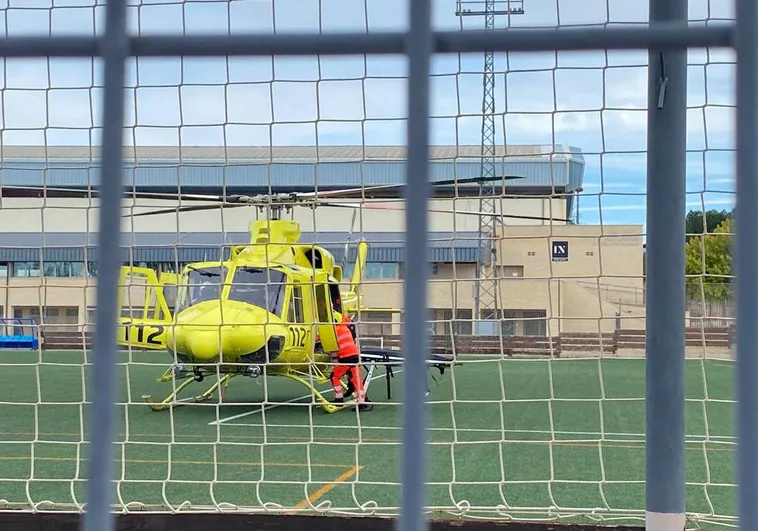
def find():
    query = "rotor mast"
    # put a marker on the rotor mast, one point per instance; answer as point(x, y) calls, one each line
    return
point(485, 299)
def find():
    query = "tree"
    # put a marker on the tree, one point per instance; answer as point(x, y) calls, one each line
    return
point(713, 217)
point(714, 251)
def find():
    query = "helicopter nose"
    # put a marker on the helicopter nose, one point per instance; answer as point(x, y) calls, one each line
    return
point(208, 332)
point(203, 344)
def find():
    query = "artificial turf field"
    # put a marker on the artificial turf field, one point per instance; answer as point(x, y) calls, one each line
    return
point(529, 450)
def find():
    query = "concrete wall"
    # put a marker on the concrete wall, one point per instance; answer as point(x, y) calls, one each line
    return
point(602, 275)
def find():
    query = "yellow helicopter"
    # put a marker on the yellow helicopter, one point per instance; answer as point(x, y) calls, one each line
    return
point(267, 310)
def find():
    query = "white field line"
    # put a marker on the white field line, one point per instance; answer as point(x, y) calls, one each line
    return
point(606, 437)
point(290, 401)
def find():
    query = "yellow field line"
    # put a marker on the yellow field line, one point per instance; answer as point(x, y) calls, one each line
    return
point(336, 482)
point(177, 462)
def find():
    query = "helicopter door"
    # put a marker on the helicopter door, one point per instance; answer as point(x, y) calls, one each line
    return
point(144, 314)
point(324, 316)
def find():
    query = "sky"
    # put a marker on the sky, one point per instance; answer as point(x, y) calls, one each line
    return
point(591, 100)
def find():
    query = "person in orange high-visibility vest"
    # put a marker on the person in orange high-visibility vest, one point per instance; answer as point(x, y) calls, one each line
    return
point(348, 364)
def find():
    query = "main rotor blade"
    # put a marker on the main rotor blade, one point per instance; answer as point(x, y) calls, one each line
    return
point(335, 194)
point(190, 208)
point(374, 206)
point(257, 199)
point(95, 193)
point(355, 206)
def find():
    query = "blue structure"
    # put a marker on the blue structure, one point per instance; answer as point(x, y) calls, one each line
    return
point(253, 170)
point(18, 334)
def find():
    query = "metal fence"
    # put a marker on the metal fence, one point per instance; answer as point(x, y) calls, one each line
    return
point(667, 37)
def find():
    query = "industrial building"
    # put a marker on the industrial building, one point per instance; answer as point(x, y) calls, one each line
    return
point(552, 277)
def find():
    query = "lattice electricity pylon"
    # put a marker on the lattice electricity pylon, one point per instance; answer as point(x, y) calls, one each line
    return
point(485, 300)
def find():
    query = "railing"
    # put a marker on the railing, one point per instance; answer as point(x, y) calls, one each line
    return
point(613, 342)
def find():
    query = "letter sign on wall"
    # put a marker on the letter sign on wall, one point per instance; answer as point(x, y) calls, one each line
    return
point(560, 251)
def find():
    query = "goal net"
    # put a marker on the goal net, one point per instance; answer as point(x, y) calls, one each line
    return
point(536, 286)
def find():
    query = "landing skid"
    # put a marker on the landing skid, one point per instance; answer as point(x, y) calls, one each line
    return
point(325, 404)
point(171, 401)
point(303, 378)
point(189, 377)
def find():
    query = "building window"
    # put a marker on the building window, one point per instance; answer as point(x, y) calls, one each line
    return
point(158, 267)
point(161, 267)
point(508, 322)
point(590, 253)
point(26, 269)
point(460, 325)
point(535, 322)
point(512, 271)
point(523, 322)
point(375, 271)
point(131, 312)
point(374, 324)
point(63, 269)
point(382, 270)
point(434, 269)
point(48, 269)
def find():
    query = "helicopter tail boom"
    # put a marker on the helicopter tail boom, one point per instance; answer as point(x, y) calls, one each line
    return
point(150, 314)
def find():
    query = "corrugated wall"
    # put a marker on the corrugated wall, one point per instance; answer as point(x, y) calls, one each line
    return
point(294, 176)
point(198, 254)
point(161, 247)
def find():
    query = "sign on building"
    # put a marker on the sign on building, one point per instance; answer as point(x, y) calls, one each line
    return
point(560, 251)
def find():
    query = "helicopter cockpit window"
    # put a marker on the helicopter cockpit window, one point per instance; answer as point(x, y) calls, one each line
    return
point(200, 285)
point(261, 287)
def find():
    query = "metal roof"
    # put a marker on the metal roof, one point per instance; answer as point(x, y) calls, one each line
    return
point(461, 247)
point(280, 153)
point(296, 168)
